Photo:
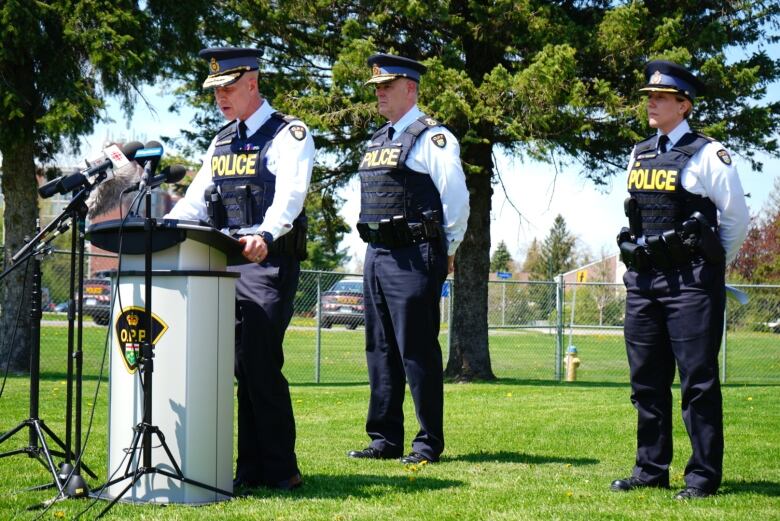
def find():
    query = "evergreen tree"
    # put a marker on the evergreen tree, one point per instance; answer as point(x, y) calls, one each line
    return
point(502, 259)
point(557, 252)
point(532, 258)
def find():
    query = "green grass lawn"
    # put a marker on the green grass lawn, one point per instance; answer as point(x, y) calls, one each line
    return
point(520, 448)
point(515, 450)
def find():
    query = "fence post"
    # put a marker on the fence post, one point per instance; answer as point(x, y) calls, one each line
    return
point(317, 336)
point(724, 344)
point(503, 303)
point(559, 296)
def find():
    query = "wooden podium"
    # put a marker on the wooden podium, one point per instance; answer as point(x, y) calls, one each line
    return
point(193, 311)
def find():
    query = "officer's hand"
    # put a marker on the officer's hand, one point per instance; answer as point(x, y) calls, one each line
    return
point(255, 248)
point(450, 263)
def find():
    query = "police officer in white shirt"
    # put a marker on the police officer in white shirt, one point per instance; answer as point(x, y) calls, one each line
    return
point(252, 184)
point(413, 215)
point(687, 220)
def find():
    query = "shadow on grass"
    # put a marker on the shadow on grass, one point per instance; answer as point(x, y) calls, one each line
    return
point(518, 457)
point(764, 488)
point(328, 486)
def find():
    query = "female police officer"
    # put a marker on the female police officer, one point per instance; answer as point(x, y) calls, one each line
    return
point(687, 218)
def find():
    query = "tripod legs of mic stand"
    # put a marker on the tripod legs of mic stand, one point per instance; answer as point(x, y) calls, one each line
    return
point(142, 434)
point(41, 452)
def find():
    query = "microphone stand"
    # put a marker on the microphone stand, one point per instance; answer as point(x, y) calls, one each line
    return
point(142, 437)
point(35, 248)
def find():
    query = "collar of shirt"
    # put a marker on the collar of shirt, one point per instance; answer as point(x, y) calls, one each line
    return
point(258, 118)
point(678, 132)
point(407, 119)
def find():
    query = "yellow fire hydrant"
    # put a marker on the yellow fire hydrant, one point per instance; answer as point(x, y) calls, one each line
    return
point(572, 362)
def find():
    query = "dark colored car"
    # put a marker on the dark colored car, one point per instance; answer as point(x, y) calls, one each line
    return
point(343, 304)
point(97, 300)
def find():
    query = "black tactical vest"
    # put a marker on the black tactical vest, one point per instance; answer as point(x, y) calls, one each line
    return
point(388, 187)
point(240, 173)
point(654, 182)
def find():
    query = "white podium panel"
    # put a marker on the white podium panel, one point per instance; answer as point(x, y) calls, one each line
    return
point(192, 382)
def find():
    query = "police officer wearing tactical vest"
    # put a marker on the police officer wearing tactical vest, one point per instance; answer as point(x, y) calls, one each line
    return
point(687, 219)
point(413, 215)
point(252, 184)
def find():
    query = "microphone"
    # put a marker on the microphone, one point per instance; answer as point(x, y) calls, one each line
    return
point(149, 157)
point(112, 157)
point(107, 195)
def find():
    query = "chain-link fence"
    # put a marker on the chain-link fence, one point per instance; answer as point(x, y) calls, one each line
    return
point(532, 326)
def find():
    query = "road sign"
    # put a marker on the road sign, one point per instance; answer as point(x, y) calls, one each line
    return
point(582, 276)
point(503, 275)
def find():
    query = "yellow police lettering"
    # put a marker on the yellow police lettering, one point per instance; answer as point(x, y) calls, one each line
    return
point(671, 180)
point(656, 179)
point(234, 165)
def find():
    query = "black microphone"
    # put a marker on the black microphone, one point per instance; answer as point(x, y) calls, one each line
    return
point(70, 182)
point(149, 157)
point(169, 174)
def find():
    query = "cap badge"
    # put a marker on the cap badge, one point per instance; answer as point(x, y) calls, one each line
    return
point(376, 71)
point(656, 78)
point(214, 65)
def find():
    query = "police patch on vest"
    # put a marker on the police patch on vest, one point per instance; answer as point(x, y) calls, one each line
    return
point(439, 140)
point(381, 158)
point(232, 165)
point(131, 332)
point(298, 132)
point(652, 180)
point(724, 156)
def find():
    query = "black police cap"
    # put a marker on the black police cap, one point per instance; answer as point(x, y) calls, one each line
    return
point(387, 67)
point(666, 76)
point(227, 64)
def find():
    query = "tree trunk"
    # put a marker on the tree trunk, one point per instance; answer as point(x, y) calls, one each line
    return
point(469, 354)
point(20, 213)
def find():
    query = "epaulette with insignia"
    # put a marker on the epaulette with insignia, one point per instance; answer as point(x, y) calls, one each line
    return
point(225, 134)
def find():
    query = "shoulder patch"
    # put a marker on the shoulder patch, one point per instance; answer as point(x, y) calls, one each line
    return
point(724, 156)
point(298, 132)
point(439, 140)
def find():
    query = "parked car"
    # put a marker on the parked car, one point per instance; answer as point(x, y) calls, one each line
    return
point(774, 326)
point(62, 307)
point(343, 304)
point(97, 300)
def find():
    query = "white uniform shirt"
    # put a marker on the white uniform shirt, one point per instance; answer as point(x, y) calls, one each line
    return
point(289, 159)
point(444, 166)
point(706, 174)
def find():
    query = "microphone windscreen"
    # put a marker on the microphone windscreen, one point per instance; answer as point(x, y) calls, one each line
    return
point(105, 196)
point(131, 148)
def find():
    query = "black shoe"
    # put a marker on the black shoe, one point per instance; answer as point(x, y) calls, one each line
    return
point(371, 453)
point(415, 458)
point(242, 487)
point(290, 483)
point(691, 493)
point(624, 485)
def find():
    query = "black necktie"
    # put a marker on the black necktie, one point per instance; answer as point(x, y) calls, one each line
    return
point(241, 130)
point(390, 133)
point(663, 140)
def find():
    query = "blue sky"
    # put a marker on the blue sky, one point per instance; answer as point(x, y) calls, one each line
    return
point(593, 214)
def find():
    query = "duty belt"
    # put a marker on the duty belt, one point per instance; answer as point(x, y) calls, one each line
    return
point(397, 233)
point(693, 241)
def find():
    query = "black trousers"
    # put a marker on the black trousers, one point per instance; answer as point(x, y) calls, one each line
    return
point(402, 289)
point(266, 426)
point(676, 318)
